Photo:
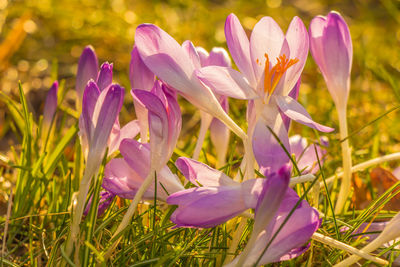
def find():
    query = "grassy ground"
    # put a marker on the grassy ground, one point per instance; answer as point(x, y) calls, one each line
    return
point(47, 45)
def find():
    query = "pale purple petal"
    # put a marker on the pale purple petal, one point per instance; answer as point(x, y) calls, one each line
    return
point(139, 75)
point(269, 154)
point(107, 115)
point(266, 38)
point(203, 55)
point(298, 41)
point(206, 207)
point(50, 106)
point(294, 93)
point(87, 69)
point(296, 112)
point(191, 51)
point(197, 172)
point(129, 131)
point(239, 47)
point(89, 103)
point(218, 57)
point(226, 81)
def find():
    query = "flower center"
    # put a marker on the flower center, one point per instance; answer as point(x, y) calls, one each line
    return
point(273, 76)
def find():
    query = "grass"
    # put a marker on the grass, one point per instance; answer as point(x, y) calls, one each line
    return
point(43, 176)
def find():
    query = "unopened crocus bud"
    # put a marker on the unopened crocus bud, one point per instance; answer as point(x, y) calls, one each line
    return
point(50, 107)
point(87, 69)
point(332, 50)
point(104, 79)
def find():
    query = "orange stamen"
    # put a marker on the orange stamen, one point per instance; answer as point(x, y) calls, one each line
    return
point(273, 76)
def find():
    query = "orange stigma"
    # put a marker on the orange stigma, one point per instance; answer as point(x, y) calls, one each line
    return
point(273, 76)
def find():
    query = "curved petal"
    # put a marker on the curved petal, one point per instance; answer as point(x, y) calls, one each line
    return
point(191, 51)
point(87, 69)
point(136, 155)
point(139, 75)
point(266, 38)
point(298, 41)
point(294, 93)
point(129, 131)
point(226, 81)
point(206, 207)
point(239, 47)
point(296, 112)
point(197, 172)
point(104, 79)
point(218, 57)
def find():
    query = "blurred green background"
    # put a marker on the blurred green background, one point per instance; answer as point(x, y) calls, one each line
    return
point(53, 33)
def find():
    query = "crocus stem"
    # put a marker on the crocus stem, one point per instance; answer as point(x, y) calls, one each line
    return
point(346, 159)
point(131, 210)
point(80, 205)
point(365, 165)
point(204, 125)
point(343, 246)
point(235, 241)
point(301, 179)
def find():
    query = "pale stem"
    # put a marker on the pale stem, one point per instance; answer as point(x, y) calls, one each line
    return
point(346, 159)
point(364, 165)
point(131, 210)
point(204, 125)
point(345, 247)
point(301, 179)
point(235, 241)
point(80, 205)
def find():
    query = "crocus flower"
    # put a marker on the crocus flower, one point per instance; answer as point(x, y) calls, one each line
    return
point(89, 119)
point(172, 63)
point(220, 199)
point(124, 176)
point(96, 121)
point(332, 50)
point(270, 63)
point(50, 107)
point(165, 121)
point(105, 201)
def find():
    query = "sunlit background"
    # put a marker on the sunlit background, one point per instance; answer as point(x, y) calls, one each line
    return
point(42, 40)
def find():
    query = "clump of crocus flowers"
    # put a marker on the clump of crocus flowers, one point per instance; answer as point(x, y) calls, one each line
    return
point(270, 64)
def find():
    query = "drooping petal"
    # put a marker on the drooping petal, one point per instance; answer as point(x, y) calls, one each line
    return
point(139, 75)
point(226, 81)
point(87, 69)
point(296, 112)
point(266, 38)
point(239, 47)
point(105, 76)
point(197, 172)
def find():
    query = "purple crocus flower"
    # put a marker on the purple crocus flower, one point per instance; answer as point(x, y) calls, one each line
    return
point(88, 68)
point(270, 63)
point(175, 65)
point(106, 198)
point(89, 119)
point(332, 50)
point(220, 199)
